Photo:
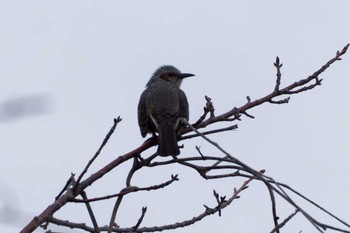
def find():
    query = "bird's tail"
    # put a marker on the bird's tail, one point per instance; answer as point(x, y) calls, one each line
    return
point(167, 142)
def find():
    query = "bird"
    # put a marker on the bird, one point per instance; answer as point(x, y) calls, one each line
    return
point(161, 106)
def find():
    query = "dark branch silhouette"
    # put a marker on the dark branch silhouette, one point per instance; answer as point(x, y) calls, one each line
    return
point(221, 166)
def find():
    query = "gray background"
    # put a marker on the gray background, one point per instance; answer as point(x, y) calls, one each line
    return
point(67, 68)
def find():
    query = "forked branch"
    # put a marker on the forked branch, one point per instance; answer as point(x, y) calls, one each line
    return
point(235, 167)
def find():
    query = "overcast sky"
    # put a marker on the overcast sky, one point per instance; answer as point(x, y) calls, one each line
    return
point(75, 65)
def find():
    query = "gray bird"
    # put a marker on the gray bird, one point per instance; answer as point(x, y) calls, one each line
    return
point(161, 106)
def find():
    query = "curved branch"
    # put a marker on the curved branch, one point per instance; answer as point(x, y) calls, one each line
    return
point(288, 90)
point(73, 189)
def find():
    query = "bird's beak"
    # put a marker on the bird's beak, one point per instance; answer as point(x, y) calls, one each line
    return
point(185, 75)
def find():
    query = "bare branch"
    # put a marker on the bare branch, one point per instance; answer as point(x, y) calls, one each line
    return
point(91, 213)
point(220, 166)
point(116, 121)
point(283, 101)
point(144, 209)
point(209, 108)
point(114, 213)
point(278, 79)
point(130, 189)
point(208, 211)
point(266, 181)
point(72, 225)
point(284, 222)
point(232, 127)
point(284, 91)
point(70, 181)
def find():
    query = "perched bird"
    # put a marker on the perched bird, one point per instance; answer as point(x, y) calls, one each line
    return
point(160, 107)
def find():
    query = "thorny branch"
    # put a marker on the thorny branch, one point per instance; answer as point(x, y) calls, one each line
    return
point(236, 169)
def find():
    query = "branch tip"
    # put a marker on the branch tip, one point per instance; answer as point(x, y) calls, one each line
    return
point(277, 64)
point(117, 120)
point(174, 177)
point(248, 98)
point(277, 61)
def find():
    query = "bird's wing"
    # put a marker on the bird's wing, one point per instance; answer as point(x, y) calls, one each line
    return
point(184, 112)
point(142, 114)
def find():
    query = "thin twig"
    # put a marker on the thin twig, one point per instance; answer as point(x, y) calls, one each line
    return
point(69, 182)
point(130, 189)
point(208, 211)
point(105, 140)
point(72, 225)
point(273, 206)
point(114, 213)
point(278, 66)
point(284, 222)
point(138, 164)
point(143, 212)
point(232, 127)
point(91, 213)
point(312, 202)
point(209, 108)
point(260, 177)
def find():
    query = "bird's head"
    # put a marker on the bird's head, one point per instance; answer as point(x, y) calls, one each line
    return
point(170, 74)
